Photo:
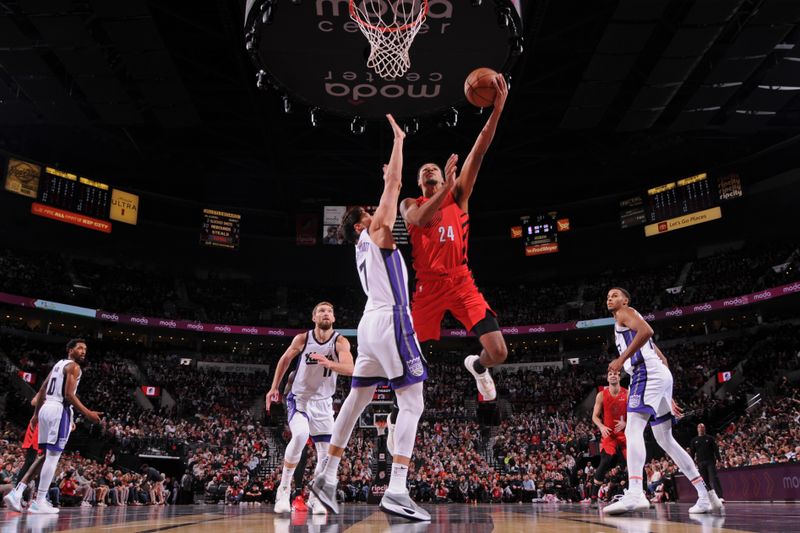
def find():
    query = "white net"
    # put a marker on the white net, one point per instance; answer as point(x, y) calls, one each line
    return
point(390, 27)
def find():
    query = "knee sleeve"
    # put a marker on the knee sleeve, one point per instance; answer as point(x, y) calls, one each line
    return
point(353, 406)
point(634, 436)
point(411, 404)
point(299, 427)
point(664, 438)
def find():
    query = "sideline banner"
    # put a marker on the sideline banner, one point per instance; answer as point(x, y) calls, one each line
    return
point(773, 482)
point(169, 323)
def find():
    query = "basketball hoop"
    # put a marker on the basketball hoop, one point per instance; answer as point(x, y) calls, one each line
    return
point(380, 426)
point(390, 28)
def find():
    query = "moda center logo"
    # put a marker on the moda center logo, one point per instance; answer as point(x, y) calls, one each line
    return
point(791, 482)
point(537, 329)
point(794, 287)
point(510, 331)
point(139, 320)
point(278, 332)
point(458, 332)
point(328, 10)
point(703, 307)
point(252, 331)
point(741, 300)
point(675, 312)
point(109, 316)
point(196, 327)
point(168, 323)
point(223, 329)
point(357, 87)
point(764, 295)
point(649, 316)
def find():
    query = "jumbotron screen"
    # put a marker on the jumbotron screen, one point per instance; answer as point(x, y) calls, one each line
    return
point(696, 197)
point(67, 191)
point(220, 229)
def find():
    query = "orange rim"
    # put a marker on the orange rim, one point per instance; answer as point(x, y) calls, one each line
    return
point(386, 29)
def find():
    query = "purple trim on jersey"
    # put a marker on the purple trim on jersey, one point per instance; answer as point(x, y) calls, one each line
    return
point(415, 368)
point(394, 272)
point(638, 357)
point(358, 382)
point(656, 420)
point(320, 438)
point(637, 388)
point(291, 407)
point(63, 432)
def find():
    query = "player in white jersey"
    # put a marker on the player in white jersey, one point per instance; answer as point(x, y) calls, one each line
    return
point(649, 400)
point(53, 413)
point(324, 354)
point(388, 350)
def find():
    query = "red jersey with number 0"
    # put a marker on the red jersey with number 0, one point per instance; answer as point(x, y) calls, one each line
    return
point(614, 407)
point(440, 248)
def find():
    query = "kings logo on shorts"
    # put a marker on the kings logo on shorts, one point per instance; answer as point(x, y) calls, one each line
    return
point(415, 367)
point(634, 400)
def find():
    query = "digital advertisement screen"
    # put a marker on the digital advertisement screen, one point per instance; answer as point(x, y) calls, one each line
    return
point(70, 192)
point(220, 229)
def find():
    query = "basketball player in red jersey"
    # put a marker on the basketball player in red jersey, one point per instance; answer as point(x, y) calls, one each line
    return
point(612, 402)
point(34, 458)
point(438, 224)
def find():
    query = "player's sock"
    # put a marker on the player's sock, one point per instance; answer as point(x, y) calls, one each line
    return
point(286, 476)
point(479, 368)
point(322, 454)
point(331, 468)
point(20, 489)
point(634, 434)
point(663, 434)
point(397, 483)
point(47, 473)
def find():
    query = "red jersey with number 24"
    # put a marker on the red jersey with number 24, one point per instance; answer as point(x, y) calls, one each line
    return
point(440, 248)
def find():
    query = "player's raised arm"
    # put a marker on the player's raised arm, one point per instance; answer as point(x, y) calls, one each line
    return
point(294, 349)
point(420, 215)
point(385, 215)
point(472, 164)
point(345, 365)
point(628, 317)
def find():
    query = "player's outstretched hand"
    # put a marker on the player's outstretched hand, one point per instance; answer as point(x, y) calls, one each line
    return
point(616, 365)
point(321, 360)
point(94, 416)
point(273, 396)
point(450, 171)
point(501, 92)
point(676, 410)
point(398, 131)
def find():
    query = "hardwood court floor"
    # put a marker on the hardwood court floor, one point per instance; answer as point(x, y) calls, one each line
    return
point(456, 518)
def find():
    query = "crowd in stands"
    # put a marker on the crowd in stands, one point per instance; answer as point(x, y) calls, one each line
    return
point(539, 453)
point(81, 481)
point(244, 300)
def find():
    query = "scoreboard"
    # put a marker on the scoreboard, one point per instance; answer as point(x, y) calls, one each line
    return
point(673, 202)
point(679, 198)
point(67, 191)
point(220, 229)
point(540, 235)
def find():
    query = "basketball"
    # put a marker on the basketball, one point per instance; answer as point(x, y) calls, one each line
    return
point(479, 87)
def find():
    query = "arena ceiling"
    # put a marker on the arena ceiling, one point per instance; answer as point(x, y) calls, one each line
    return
point(161, 96)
